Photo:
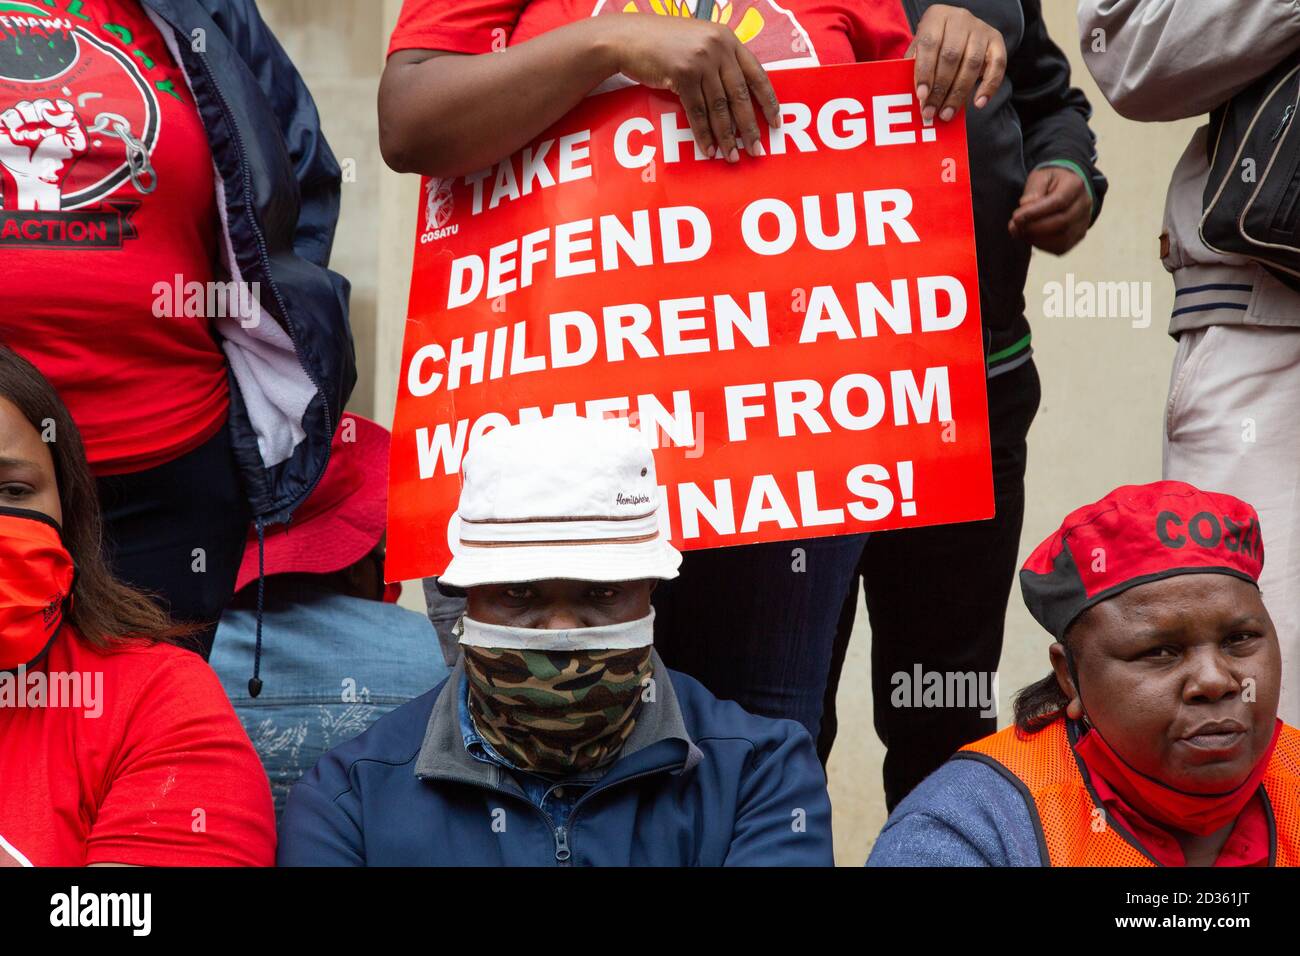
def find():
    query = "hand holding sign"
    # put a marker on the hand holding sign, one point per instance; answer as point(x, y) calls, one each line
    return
point(956, 52)
point(709, 69)
point(799, 335)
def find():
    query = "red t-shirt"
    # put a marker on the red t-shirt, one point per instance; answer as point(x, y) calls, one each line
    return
point(795, 33)
point(91, 258)
point(139, 760)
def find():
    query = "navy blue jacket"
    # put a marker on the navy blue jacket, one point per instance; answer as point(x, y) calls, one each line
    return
point(279, 190)
point(701, 782)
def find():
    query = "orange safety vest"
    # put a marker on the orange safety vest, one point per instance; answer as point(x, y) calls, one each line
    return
point(1074, 831)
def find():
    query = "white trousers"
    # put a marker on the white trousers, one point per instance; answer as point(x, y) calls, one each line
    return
point(1232, 424)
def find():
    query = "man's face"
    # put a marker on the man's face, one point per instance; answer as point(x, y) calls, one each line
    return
point(559, 604)
point(1181, 678)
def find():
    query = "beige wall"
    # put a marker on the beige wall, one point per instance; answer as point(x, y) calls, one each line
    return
point(338, 47)
point(1104, 379)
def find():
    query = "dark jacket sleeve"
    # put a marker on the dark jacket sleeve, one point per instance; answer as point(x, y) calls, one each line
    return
point(318, 173)
point(784, 817)
point(1053, 114)
point(320, 825)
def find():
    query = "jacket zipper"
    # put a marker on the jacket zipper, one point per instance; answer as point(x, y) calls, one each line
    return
point(1282, 218)
point(562, 854)
point(1255, 195)
point(560, 835)
point(1200, 229)
point(265, 262)
point(1282, 124)
point(1241, 148)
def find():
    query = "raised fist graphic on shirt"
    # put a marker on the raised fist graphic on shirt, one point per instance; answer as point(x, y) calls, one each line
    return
point(39, 142)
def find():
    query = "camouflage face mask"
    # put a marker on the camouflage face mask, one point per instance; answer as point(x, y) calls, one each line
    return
point(556, 712)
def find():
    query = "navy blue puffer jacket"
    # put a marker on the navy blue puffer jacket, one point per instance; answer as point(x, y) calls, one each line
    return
point(292, 364)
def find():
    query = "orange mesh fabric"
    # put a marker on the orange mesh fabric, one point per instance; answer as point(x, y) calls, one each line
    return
point(1078, 833)
point(1075, 835)
point(1282, 783)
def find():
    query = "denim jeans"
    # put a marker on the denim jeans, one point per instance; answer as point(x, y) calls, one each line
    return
point(756, 623)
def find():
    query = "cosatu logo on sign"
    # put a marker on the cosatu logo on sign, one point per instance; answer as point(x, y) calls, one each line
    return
point(798, 334)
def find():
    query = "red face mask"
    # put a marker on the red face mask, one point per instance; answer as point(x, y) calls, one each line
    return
point(36, 576)
point(1197, 813)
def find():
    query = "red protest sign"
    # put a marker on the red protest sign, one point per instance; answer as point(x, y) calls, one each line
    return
point(798, 333)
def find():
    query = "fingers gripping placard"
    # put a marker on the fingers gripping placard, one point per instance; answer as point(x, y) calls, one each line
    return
point(797, 334)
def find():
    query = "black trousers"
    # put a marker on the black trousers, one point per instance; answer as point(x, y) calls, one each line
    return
point(757, 623)
point(178, 532)
point(937, 597)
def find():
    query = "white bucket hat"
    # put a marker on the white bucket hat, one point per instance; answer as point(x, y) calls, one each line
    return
point(561, 497)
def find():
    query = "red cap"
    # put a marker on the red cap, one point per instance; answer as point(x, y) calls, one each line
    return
point(342, 519)
point(1138, 534)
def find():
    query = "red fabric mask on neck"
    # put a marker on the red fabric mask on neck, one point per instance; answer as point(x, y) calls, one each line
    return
point(1201, 814)
point(36, 577)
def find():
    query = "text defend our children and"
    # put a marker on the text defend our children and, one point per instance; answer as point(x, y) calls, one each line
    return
point(797, 334)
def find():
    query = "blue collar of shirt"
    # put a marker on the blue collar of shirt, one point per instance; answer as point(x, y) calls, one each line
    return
point(475, 745)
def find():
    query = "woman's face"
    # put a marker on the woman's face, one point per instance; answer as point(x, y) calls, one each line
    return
point(26, 466)
point(1181, 677)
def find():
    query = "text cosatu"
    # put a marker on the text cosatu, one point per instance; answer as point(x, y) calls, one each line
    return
point(798, 334)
